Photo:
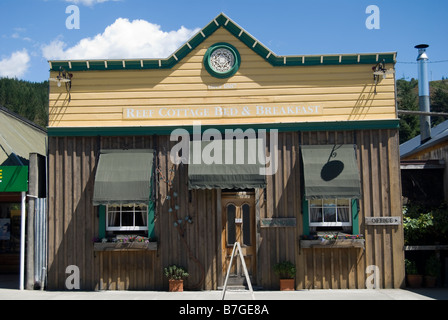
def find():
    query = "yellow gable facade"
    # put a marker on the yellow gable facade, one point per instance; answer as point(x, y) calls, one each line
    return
point(264, 89)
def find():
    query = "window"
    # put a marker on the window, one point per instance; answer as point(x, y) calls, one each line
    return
point(330, 213)
point(132, 217)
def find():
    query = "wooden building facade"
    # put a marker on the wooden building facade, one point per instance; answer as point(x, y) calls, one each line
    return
point(113, 118)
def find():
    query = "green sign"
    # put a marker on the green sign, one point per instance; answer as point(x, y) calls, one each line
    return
point(14, 179)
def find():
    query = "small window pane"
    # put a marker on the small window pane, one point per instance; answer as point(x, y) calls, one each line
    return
point(343, 214)
point(316, 214)
point(246, 225)
point(231, 228)
point(139, 220)
point(114, 219)
point(127, 219)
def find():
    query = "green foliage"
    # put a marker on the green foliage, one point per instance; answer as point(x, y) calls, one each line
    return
point(425, 225)
point(407, 99)
point(27, 99)
point(176, 273)
point(411, 267)
point(439, 100)
point(285, 270)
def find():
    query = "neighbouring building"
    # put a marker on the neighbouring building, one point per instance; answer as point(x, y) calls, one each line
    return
point(154, 162)
point(23, 147)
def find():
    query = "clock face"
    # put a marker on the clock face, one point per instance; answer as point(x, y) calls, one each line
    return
point(222, 60)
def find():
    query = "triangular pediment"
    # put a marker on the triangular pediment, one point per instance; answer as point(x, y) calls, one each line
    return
point(223, 21)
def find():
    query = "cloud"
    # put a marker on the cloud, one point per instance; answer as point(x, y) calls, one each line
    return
point(15, 65)
point(123, 39)
point(88, 3)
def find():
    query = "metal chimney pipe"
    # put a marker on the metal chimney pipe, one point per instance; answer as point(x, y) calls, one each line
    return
point(423, 92)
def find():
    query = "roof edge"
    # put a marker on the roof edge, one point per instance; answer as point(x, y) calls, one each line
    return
point(240, 33)
point(22, 119)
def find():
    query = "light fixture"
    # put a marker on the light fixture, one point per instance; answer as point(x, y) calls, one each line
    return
point(380, 70)
point(64, 77)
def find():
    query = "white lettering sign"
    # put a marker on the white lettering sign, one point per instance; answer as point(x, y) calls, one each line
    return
point(383, 221)
point(216, 112)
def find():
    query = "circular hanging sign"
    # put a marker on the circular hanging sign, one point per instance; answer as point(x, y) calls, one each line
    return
point(222, 60)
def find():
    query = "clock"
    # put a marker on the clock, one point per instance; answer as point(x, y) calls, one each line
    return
point(222, 60)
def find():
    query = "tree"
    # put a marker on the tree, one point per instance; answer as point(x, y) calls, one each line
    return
point(439, 101)
point(407, 99)
point(27, 99)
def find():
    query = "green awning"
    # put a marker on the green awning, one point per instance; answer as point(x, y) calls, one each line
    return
point(227, 165)
point(331, 171)
point(123, 177)
point(13, 179)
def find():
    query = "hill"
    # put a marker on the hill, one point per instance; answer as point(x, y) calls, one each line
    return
point(28, 99)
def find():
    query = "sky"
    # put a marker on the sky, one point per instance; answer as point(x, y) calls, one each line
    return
point(35, 31)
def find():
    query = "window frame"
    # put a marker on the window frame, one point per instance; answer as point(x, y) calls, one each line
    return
point(127, 228)
point(331, 224)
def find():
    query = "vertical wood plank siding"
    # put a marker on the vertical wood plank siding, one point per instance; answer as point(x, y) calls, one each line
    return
point(74, 222)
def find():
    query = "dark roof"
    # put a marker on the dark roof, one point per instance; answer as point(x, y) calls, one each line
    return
point(223, 21)
point(438, 135)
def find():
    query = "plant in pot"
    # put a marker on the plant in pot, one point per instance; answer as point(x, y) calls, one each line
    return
point(176, 276)
point(287, 272)
point(432, 271)
point(414, 279)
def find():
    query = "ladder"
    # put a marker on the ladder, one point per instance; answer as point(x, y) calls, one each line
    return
point(237, 250)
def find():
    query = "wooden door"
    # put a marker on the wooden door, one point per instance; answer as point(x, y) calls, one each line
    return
point(239, 226)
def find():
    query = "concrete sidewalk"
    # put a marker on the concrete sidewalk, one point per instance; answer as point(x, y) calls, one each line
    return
point(383, 294)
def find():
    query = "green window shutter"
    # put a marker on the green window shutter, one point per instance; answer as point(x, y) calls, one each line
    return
point(102, 222)
point(151, 220)
point(355, 216)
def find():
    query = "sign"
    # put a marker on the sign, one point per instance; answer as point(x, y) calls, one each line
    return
point(14, 179)
point(383, 221)
point(218, 112)
point(278, 222)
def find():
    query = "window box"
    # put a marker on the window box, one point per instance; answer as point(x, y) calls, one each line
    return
point(334, 243)
point(125, 246)
point(330, 241)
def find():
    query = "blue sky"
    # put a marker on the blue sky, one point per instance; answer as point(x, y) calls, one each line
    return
point(33, 31)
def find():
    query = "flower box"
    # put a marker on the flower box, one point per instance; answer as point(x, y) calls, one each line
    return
point(334, 243)
point(125, 246)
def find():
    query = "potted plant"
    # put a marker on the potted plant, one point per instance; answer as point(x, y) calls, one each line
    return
point(432, 271)
point(176, 276)
point(286, 271)
point(415, 280)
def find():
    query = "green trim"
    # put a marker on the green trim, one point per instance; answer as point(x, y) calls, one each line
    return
point(102, 222)
point(151, 220)
point(217, 74)
point(355, 216)
point(281, 127)
point(222, 21)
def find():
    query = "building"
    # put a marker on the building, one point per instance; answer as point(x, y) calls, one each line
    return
point(423, 166)
point(22, 182)
point(140, 177)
